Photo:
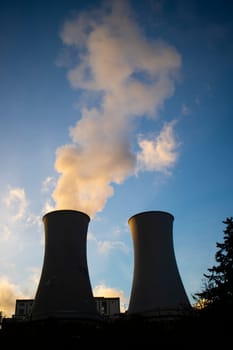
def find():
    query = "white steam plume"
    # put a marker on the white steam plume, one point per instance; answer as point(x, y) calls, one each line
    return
point(131, 77)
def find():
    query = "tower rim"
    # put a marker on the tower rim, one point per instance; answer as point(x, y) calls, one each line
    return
point(151, 212)
point(65, 211)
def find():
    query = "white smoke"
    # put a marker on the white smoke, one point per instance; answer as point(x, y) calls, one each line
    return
point(131, 77)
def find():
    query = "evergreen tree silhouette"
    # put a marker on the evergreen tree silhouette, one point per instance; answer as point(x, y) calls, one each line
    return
point(217, 292)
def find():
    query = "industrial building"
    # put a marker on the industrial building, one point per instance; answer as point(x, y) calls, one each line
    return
point(106, 306)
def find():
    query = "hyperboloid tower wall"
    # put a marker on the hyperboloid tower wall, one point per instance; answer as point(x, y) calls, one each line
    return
point(157, 288)
point(64, 289)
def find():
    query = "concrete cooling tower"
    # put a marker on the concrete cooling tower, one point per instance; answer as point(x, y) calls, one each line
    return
point(157, 287)
point(64, 289)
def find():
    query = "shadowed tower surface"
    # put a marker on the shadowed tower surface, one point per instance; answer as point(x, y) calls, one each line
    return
point(157, 286)
point(64, 289)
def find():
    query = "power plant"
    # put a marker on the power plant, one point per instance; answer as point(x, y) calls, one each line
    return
point(64, 289)
point(157, 287)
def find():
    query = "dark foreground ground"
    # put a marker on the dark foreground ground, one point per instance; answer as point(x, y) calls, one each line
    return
point(189, 332)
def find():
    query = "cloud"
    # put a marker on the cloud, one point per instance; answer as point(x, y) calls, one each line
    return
point(34, 277)
point(101, 290)
point(131, 77)
point(48, 183)
point(48, 206)
point(185, 110)
point(5, 233)
point(16, 202)
point(158, 153)
point(17, 214)
point(104, 247)
point(9, 292)
point(91, 237)
point(19, 234)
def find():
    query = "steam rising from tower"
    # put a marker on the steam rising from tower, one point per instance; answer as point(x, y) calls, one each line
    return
point(157, 286)
point(122, 76)
point(64, 290)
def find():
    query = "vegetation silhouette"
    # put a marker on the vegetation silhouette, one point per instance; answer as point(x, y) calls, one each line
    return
point(216, 298)
point(217, 293)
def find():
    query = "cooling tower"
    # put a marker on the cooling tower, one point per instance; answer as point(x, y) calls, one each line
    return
point(64, 289)
point(157, 287)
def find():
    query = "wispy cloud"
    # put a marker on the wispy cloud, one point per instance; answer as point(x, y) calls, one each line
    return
point(5, 233)
point(17, 209)
point(16, 201)
point(105, 247)
point(19, 234)
point(91, 237)
point(48, 184)
point(17, 214)
point(185, 110)
point(9, 292)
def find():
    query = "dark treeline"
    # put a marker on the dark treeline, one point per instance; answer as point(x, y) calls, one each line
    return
point(209, 327)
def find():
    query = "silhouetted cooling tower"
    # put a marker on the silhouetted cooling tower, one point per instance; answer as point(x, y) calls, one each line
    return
point(157, 288)
point(64, 290)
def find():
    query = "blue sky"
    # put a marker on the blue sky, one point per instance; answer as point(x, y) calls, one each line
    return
point(114, 108)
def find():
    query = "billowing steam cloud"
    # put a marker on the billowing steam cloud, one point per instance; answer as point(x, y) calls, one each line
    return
point(130, 78)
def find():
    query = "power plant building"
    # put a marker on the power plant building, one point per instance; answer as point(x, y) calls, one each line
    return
point(65, 291)
point(106, 307)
